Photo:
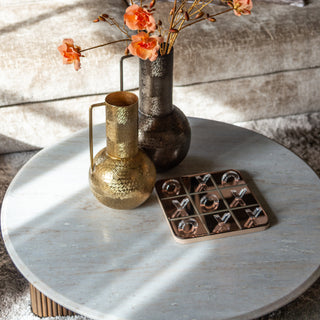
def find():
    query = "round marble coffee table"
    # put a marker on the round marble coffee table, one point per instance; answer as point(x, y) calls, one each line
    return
point(108, 264)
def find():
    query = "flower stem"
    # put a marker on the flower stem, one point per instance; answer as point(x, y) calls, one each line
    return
point(199, 10)
point(105, 44)
point(211, 16)
point(171, 24)
point(227, 10)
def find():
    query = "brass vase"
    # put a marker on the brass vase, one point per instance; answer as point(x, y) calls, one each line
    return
point(121, 175)
point(164, 131)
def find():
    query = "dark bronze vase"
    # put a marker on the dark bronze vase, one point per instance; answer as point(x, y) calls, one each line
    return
point(164, 131)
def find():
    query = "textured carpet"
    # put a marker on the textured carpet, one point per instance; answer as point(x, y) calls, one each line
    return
point(300, 133)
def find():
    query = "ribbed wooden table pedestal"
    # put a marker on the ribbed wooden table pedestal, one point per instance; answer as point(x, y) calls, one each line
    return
point(42, 306)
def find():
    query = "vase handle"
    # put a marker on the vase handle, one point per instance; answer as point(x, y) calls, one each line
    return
point(121, 69)
point(90, 130)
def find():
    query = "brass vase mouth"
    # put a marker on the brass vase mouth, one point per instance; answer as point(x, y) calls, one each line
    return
point(121, 99)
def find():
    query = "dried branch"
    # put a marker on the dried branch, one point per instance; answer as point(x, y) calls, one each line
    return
point(105, 44)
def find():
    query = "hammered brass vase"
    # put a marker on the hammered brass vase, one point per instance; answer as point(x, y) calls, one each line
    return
point(121, 175)
point(164, 131)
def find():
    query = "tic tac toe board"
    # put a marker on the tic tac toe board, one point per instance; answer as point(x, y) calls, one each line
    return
point(210, 205)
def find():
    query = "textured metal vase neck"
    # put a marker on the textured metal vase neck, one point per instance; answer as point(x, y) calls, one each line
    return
point(122, 124)
point(155, 83)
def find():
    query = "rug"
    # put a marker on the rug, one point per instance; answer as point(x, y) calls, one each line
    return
point(299, 133)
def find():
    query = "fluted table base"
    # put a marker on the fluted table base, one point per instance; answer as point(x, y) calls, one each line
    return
point(42, 306)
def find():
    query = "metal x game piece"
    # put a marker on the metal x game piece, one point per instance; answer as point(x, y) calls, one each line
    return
point(222, 225)
point(238, 201)
point(180, 208)
point(251, 222)
point(202, 183)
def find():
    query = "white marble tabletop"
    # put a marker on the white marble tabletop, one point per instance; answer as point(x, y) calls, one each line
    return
point(109, 264)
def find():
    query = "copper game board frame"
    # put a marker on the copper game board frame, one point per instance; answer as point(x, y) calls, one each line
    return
point(210, 205)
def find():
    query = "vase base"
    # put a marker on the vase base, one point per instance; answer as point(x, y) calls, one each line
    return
point(166, 140)
point(122, 184)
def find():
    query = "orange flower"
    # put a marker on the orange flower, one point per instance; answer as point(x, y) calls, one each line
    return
point(70, 53)
point(144, 46)
point(137, 18)
point(241, 7)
